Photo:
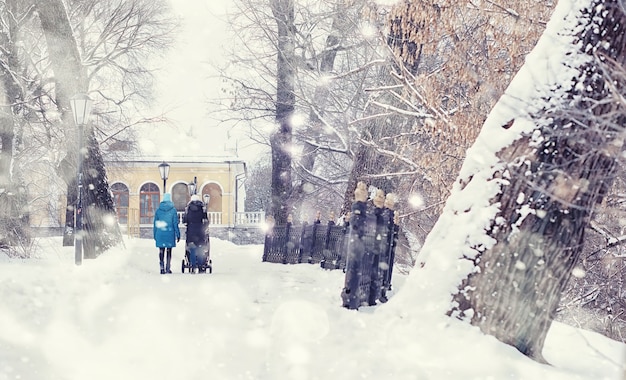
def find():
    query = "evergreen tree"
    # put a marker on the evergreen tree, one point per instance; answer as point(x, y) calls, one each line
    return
point(101, 230)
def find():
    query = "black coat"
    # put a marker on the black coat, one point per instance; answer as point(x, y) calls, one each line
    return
point(196, 220)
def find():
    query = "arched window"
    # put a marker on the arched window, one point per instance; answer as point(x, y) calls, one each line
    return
point(149, 198)
point(180, 196)
point(215, 202)
point(120, 198)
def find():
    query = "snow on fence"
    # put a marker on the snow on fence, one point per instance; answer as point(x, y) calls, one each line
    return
point(364, 247)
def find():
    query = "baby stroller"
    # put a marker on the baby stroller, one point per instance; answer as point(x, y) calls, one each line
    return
point(203, 257)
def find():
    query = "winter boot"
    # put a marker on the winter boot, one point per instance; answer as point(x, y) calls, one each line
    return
point(162, 268)
point(168, 260)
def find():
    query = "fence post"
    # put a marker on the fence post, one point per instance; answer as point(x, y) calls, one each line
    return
point(356, 249)
point(378, 246)
point(326, 253)
point(394, 243)
point(314, 242)
point(390, 229)
point(269, 237)
point(287, 239)
point(303, 242)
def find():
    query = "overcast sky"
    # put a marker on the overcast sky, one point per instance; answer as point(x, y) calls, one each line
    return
point(187, 79)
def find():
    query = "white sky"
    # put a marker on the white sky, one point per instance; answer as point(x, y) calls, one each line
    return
point(117, 318)
point(187, 80)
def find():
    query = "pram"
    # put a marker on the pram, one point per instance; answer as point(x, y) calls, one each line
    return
point(204, 253)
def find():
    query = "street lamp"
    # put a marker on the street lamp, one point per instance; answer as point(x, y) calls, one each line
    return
point(164, 170)
point(193, 186)
point(81, 109)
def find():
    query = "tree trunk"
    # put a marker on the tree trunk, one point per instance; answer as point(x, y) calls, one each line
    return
point(320, 97)
point(552, 181)
point(281, 140)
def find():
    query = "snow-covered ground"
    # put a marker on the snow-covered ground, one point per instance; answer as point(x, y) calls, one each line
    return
point(117, 318)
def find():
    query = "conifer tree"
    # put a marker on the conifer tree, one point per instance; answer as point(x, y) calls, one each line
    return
point(100, 224)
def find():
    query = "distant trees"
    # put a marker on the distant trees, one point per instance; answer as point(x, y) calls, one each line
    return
point(332, 54)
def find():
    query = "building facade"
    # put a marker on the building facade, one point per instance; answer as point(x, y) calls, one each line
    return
point(138, 188)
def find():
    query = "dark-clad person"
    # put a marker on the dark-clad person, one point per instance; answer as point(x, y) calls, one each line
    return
point(196, 220)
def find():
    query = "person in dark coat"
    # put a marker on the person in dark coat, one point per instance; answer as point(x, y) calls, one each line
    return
point(165, 231)
point(196, 220)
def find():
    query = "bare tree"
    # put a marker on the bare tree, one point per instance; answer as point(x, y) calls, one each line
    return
point(449, 64)
point(333, 59)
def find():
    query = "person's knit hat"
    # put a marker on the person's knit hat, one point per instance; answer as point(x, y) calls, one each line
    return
point(167, 197)
point(195, 197)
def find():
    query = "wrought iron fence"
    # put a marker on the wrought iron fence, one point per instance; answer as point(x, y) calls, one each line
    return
point(364, 247)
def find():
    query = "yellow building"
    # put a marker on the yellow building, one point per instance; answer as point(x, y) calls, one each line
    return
point(137, 189)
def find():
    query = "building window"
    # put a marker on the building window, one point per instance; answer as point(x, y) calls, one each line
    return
point(215, 192)
point(120, 197)
point(149, 198)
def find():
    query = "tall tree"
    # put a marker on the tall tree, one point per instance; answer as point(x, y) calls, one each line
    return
point(281, 140)
point(544, 158)
point(70, 78)
point(114, 38)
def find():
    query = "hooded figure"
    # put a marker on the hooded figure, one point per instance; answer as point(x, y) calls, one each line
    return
point(165, 231)
point(196, 220)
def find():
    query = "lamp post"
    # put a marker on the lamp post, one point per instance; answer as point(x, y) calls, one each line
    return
point(81, 108)
point(206, 198)
point(193, 186)
point(164, 170)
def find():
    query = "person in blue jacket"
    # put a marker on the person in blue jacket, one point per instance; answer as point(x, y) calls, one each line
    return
point(165, 231)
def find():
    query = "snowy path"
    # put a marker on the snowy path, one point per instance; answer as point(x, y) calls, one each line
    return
point(116, 318)
point(118, 310)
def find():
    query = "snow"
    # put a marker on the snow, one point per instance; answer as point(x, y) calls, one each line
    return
point(116, 317)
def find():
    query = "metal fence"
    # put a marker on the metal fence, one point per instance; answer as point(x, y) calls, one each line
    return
point(307, 243)
point(364, 247)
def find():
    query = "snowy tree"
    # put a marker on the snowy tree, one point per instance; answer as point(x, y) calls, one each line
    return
point(281, 139)
point(545, 157)
point(14, 218)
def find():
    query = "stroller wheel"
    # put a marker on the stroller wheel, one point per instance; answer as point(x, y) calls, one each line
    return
point(182, 267)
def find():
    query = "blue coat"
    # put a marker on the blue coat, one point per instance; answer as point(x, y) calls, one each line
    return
point(165, 228)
